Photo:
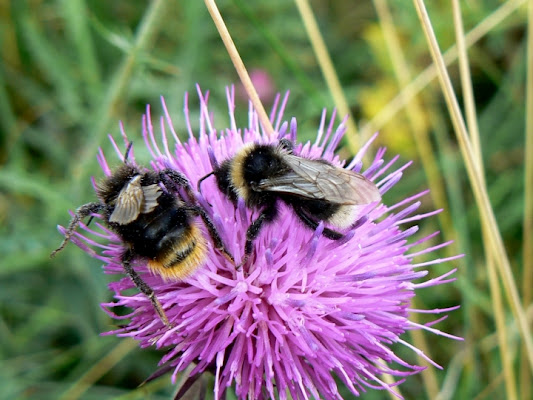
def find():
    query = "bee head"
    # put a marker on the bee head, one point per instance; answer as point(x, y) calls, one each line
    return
point(257, 166)
point(251, 165)
point(109, 188)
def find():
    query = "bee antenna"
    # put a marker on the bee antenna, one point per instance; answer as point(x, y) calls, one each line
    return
point(199, 184)
point(128, 149)
point(286, 144)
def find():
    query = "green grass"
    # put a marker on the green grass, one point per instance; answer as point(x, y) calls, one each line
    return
point(72, 69)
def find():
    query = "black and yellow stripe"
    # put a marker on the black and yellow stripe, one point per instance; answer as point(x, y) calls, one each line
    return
point(183, 258)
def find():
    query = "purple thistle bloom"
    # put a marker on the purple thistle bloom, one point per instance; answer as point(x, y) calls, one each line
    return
point(307, 309)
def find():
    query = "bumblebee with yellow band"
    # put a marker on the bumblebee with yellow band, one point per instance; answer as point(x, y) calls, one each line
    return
point(316, 190)
point(145, 209)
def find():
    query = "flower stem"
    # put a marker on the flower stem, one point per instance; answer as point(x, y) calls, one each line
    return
point(527, 278)
point(239, 66)
point(474, 173)
point(426, 76)
point(473, 129)
point(99, 369)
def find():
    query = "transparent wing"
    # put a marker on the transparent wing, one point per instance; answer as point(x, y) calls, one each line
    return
point(150, 195)
point(317, 179)
point(133, 200)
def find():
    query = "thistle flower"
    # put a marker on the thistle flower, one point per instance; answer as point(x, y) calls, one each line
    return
point(307, 309)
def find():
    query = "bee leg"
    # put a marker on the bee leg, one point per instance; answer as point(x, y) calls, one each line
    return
point(143, 286)
point(267, 215)
point(81, 213)
point(329, 233)
point(213, 233)
point(177, 180)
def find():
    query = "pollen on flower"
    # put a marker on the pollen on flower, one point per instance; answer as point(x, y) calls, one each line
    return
point(305, 310)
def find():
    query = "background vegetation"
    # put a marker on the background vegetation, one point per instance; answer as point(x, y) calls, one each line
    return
point(71, 69)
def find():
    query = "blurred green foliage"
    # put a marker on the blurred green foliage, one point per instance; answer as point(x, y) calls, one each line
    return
point(71, 69)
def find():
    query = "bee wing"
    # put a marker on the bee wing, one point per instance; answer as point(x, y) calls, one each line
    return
point(151, 193)
point(133, 200)
point(320, 180)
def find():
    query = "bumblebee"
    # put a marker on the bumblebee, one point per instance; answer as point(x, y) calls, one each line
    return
point(265, 174)
point(145, 209)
